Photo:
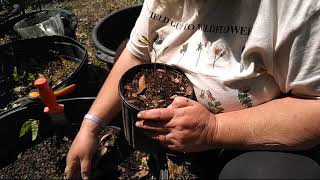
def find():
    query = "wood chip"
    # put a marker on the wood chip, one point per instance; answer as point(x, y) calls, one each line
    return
point(189, 91)
point(176, 80)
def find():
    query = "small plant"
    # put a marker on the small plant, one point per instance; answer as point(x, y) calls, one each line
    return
point(144, 41)
point(15, 74)
point(31, 77)
point(30, 125)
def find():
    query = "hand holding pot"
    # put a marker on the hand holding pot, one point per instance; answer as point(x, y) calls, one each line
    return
point(81, 152)
point(185, 125)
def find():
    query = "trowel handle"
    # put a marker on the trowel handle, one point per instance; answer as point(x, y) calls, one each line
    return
point(47, 96)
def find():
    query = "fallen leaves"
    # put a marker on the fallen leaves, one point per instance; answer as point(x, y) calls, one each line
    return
point(142, 86)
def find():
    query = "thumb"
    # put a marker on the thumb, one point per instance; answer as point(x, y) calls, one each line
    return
point(85, 168)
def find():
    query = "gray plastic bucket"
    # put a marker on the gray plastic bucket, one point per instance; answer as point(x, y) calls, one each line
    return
point(44, 23)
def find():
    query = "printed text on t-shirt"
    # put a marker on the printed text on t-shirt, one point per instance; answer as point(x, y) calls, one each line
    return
point(218, 29)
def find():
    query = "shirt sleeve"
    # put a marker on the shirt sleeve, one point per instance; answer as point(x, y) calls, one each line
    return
point(297, 62)
point(142, 28)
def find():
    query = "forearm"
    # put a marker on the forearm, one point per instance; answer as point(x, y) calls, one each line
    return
point(107, 103)
point(285, 124)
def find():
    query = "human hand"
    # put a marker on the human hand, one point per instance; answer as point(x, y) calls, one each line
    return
point(185, 125)
point(81, 152)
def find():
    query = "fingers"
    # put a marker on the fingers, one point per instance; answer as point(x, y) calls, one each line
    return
point(157, 114)
point(180, 102)
point(156, 126)
point(85, 168)
point(72, 170)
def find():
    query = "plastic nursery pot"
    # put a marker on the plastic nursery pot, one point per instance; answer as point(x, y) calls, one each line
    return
point(44, 23)
point(18, 58)
point(136, 136)
point(112, 30)
point(68, 18)
point(10, 142)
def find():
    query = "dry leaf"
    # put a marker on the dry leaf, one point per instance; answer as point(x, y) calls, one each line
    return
point(189, 91)
point(106, 143)
point(142, 85)
point(140, 174)
point(173, 96)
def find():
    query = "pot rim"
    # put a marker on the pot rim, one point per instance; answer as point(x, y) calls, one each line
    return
point(124, 77)
point(95, 30)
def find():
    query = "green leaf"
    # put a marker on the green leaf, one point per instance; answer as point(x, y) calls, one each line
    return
point(25, 128)
point(30, 125)
point(19, 156)
point(15, 74)
point(31, 77)
point(34, 129)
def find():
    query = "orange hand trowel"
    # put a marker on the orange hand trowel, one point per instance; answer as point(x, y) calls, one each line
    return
point(48, 97)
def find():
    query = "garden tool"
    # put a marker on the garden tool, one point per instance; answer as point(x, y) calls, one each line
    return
point(33, 97)
point(53, 109)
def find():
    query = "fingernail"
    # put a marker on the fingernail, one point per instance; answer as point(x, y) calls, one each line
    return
point(139, 115)
point(138, 123)
point(85, 177)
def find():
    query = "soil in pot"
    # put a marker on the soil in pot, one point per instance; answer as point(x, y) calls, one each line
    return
point(156, 88)
point(17, 80)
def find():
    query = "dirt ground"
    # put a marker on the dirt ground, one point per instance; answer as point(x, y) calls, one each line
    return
point(89, 13)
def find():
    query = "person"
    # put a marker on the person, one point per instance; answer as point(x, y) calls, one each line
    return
point(255, 70)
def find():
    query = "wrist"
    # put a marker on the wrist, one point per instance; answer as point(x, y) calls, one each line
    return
point(230, 131)
point(91, 127)
point(213, 129)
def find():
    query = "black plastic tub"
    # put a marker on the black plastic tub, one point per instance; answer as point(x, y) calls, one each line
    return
point(35, 50)
point(136, 136)
point(10, 142)
point(112, 30)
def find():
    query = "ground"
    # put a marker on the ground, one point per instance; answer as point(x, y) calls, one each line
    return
point(89, 13)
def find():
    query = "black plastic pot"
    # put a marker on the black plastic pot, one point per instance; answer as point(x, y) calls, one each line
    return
point(112, 30)
point(136, 136)
point(69, 20)
point(39, 49)
point(11, 123)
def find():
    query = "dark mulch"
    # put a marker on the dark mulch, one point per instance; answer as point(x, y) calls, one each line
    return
point(156, 88)
point(114, 160)
point(44, 160)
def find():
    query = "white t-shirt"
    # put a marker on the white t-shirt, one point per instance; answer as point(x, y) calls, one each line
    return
point(237, 54)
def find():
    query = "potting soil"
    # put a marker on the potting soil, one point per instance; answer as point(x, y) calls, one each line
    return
point(156, 88)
